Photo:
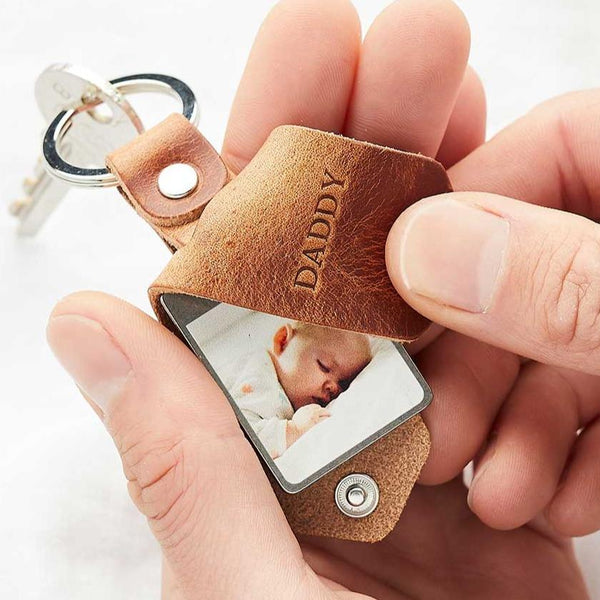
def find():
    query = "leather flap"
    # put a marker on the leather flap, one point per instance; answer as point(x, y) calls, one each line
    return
point(394, 462)
point(301, 233)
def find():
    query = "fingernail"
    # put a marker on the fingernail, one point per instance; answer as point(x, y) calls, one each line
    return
point(89, 354)
point(452, 253)
point(482, 467)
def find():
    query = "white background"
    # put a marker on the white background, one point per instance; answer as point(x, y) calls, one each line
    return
point(67, 529)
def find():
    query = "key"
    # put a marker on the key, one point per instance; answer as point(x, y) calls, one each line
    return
point(109, 123)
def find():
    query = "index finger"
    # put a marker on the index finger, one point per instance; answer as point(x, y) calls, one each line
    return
point(300, 72)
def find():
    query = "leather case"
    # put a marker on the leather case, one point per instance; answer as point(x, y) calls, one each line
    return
point(300, 233)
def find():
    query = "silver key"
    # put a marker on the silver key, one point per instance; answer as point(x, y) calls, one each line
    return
point(109, 123)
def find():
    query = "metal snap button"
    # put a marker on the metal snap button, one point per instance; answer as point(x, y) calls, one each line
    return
point(177, 181)
point(357, 495)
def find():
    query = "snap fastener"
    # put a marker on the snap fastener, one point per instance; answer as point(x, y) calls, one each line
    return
point(177, 181)
point(357, 495)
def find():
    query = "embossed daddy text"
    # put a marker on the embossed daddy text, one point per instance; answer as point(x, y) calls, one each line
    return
point(319, 233)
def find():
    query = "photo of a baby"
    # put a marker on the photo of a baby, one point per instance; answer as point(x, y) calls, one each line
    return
point(284, 390)
point(307, 396)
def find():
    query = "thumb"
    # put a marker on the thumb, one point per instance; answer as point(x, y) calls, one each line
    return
point(515, 275)
point(190, 470)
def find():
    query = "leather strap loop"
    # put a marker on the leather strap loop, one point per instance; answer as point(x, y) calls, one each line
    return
point(138, 164)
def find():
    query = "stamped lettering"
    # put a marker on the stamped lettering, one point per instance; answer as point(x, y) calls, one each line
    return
point(319, 233)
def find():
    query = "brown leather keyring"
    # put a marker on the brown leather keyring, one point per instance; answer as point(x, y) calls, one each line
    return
point(298, 234)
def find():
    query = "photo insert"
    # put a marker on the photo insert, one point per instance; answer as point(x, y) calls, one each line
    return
point(308, 396)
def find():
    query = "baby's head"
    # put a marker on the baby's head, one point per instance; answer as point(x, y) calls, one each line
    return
point(315, 364)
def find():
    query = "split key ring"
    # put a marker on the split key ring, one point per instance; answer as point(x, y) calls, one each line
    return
point(130, 84)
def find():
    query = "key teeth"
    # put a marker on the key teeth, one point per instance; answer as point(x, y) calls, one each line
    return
point(29, 184)
point(16, 207)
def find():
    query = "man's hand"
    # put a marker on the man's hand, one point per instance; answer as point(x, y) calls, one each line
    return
point(191, 471)
point(524, 278)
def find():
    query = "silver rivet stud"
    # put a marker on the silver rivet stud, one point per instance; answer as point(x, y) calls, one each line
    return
point(357, 495)
point(177, 181)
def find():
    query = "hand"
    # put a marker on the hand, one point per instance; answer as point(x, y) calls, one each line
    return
point(191, 471)
point(525, 278)
point(308, 416)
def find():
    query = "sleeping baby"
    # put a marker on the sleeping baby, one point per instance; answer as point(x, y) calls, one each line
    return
point(283, 390)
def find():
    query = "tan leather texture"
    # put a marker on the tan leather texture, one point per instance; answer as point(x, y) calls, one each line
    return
point(301, 233)
point(394, 462)
point(138, 164)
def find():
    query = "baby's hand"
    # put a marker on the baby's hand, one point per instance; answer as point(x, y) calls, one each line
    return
point(305, 418)
point(308, 416)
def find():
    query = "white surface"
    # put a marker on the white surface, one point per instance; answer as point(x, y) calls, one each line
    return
point(67, 528)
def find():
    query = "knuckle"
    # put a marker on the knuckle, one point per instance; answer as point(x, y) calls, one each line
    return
point(160, 483)
point(569, 304)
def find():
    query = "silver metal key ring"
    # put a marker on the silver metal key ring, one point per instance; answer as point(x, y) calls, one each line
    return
point(130, 84)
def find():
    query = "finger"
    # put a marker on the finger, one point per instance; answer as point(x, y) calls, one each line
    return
point(517, 476)
point(549, 157)
point(469, 380)
point(411, 68)
point(512, 274)
point(300, 71)
point(575, 510)
point(584, 388)
point(170, 588)
point(466, 128)
point(189, 467)
point(464, 133)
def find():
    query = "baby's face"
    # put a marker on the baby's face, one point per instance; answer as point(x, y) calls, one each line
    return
point(315, 365)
